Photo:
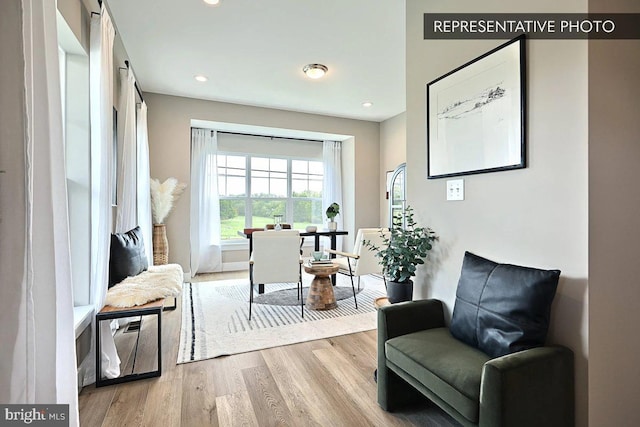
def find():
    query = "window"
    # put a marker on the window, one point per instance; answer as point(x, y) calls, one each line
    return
point(254, 188)
point(74, 83)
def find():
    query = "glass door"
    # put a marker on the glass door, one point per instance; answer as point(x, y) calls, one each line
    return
point(397, 194)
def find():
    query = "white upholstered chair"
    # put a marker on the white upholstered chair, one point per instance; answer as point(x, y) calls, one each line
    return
point(362, 260)
point(276, 259)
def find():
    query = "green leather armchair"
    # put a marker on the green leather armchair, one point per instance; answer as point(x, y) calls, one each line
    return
point(417, 353)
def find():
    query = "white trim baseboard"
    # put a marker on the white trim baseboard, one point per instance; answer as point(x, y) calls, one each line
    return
point(235, 266)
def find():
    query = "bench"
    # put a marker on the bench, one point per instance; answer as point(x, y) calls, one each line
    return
point(141, 295)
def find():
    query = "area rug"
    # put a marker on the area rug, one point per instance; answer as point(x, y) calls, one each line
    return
point(215, 318)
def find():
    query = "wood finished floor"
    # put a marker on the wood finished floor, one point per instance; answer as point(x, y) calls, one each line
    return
point(319, 383)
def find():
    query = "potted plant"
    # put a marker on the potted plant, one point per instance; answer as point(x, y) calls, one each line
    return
point(332, 211)
point(403, 250)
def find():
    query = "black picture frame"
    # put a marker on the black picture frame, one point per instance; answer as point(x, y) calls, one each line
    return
point(476, 115)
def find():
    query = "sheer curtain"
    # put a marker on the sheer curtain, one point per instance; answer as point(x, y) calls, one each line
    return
point(144, 177)
point(205, 206)
point(332, 183)
point(126, 215)
point(101, 112)
point(37, 334)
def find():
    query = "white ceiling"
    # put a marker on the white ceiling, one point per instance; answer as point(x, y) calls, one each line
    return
point(253, 52)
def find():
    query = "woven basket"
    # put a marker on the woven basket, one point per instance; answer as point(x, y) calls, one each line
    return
point(160, 245)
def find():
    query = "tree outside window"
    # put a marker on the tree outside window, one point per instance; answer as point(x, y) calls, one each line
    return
point(252, 189)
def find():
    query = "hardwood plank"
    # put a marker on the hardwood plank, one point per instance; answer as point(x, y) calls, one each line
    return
point(198, 404)
point(359, 353)
point(266, 399)
point(171, 324)
point(163, 404)
point(93, 405)
point(358, 388)
point(235, 410)
point(306, 406)
point(146, 359)
point(227, 371)
point(128, 405)
point(325, 391)
point(125, 343)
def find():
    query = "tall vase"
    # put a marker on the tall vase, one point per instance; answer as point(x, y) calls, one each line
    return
point(160, 245)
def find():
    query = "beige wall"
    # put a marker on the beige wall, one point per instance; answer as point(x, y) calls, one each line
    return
point(614, 225)
point(393, 152)
point(78, 19)
point(535, 216)
point(169, 122)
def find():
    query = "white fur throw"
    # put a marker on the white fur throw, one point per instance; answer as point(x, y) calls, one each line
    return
point(159, 281)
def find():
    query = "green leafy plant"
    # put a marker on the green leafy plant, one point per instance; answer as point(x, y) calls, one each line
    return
point(332, 211)
point(404, 247)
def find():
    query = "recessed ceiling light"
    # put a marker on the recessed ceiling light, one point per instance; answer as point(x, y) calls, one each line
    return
point(212, 2)
point(201, 78)
point(315, 71)
point(367, 104)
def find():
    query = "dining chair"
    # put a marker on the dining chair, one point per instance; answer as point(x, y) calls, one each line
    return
point(276, 259)
point(362, 261)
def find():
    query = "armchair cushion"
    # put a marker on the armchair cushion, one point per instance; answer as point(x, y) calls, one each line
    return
point(502, 308)
point(449, 368)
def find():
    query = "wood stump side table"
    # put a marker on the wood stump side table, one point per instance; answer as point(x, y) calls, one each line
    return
point(321, 295)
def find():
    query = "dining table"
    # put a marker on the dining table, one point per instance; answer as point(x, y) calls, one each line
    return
point(331, 234)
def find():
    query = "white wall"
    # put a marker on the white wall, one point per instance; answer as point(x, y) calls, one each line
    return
point(169, 144)
point(264, 145)
point(614, 225)
point(535, 216)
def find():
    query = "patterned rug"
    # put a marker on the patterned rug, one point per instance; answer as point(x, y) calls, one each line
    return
point(215, 318)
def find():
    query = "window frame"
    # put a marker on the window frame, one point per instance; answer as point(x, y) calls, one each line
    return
point(248, 198)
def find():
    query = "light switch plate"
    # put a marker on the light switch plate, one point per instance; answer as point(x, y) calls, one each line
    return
point(455, 189)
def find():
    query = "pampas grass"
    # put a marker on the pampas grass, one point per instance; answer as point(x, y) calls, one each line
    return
point(163, 196)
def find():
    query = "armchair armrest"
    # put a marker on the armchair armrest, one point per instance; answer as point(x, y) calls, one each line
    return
point(413, 316)
point(395, 320)
point(529, 388)
point(344, 254)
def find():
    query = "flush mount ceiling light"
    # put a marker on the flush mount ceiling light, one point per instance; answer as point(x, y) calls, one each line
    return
point(212, 2)
point(367, 104)
point(315, 71)
point(200, 78)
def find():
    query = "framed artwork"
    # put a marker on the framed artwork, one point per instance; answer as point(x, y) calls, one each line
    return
point(476, 115)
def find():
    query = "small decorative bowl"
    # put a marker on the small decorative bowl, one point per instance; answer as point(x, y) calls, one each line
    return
point(311, 229)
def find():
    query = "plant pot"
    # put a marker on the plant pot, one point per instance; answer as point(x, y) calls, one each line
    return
point(399, 292)
point(160, 245)
point(332, 226)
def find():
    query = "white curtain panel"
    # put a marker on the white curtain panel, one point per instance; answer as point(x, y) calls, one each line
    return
point(38, 341)
point(126, 215)
point(144, 178)
point(206, 255)
point(101, 106)
point(332, 183)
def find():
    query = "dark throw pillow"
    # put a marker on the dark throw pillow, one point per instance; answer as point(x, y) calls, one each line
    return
point(128, 256)
point(502, 308)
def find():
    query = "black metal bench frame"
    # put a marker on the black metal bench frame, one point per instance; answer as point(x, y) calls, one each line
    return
point(145, 310)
